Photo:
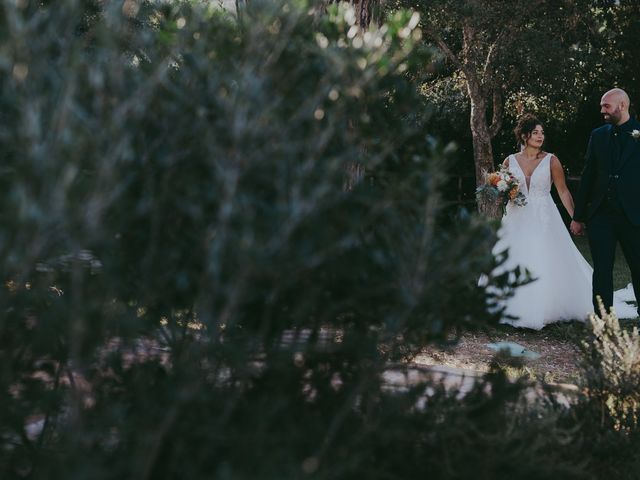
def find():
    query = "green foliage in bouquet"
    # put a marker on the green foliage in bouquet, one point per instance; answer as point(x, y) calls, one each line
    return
point(500, 188)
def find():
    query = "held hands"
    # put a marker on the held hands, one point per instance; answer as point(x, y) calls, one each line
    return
point(577, 228)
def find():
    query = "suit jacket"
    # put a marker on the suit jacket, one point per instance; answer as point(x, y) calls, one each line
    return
point(600, 169)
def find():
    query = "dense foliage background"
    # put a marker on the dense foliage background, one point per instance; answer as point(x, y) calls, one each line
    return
point(217, 234)
point(198, 279)
point(551, 58)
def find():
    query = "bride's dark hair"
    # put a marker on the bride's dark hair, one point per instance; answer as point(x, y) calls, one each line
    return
point(526, 124)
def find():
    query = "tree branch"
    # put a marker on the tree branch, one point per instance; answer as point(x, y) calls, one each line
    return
point(442, 45)
point(468, 42)
point(498, 112)
point(490, 57)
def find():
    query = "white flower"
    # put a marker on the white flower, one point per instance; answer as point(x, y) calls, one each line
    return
point(635, 134)
point(502, 186)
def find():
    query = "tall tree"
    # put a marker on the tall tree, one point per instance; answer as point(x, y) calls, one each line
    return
point(498, 50)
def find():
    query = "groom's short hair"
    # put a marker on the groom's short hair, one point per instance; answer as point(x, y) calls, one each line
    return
point(621, 94)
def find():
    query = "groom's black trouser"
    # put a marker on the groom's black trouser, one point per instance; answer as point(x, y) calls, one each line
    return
point(608, 227)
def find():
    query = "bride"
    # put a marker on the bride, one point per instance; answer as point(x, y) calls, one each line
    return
point(537, 239)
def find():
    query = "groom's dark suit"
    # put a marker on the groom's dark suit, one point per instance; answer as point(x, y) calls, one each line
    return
point(608, 201)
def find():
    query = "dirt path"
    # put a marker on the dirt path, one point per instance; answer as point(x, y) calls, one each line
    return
point(557, 347)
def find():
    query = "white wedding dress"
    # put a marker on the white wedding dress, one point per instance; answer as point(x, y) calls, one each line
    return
point(537, 239)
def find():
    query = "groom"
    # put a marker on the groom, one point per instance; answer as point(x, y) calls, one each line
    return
point(608, 200)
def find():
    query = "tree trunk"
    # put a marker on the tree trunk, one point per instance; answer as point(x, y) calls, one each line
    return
point(481, 131)
point(367, 11)
point(482, 148)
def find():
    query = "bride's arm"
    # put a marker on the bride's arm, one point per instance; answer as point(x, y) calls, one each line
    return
point(557, 175)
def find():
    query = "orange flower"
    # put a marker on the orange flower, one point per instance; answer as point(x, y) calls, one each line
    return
point(493, 179)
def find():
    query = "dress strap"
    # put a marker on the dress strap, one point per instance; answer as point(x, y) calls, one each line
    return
point(512, 161)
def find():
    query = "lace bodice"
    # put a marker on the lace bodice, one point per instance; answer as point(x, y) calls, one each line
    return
point(540, 181)
point(540, 206)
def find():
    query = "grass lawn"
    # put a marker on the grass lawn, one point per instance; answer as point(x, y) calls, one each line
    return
point(621, 273)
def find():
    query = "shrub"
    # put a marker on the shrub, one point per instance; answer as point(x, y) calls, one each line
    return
point(612, 370)
point(608, 412)
point(196, 285)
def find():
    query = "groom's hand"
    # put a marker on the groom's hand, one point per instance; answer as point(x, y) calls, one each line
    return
point(576, 228)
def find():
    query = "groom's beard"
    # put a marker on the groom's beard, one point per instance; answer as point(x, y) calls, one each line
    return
point(613, 117)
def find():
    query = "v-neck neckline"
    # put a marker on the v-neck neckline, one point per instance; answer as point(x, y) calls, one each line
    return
point(528, 185)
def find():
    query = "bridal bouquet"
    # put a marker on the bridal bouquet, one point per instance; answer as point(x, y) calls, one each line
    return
point(501, 187)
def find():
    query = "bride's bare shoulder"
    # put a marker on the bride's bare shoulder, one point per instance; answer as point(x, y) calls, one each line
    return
point(555, 162)
point(505, 162)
